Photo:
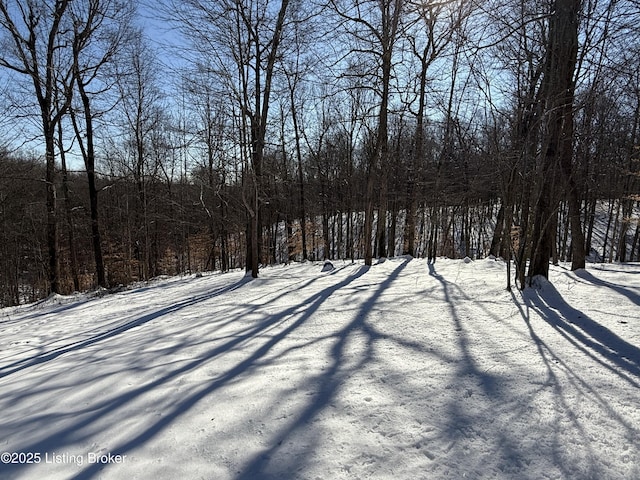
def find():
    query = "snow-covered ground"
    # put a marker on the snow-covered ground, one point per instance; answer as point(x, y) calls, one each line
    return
point(399, 371)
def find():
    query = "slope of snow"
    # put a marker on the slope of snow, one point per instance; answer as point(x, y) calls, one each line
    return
point(403, 370)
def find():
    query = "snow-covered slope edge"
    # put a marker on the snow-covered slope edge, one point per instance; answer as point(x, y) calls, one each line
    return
point(401, 370)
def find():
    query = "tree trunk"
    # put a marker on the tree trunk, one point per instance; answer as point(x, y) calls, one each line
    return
point(89, 162)
point(368, 219)
point(73, 257)
point(301, 195)
point(558, 89)
point(52, 217)
point(499, 231)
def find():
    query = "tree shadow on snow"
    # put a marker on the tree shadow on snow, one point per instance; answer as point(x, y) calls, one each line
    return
point(278, 328)
point(52, 354)
point(596, 342)
point(592, 338)
point(466, 416)
point(70, 302)
point(504, 401)
point(489, 383)
point(327, 385)
point(619, 289)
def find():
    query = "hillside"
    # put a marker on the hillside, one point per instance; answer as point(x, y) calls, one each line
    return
point(403, 370)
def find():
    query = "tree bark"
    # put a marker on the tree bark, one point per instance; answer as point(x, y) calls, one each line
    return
point(557, 156)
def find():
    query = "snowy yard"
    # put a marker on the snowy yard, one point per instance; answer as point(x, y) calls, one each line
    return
point(404, 370)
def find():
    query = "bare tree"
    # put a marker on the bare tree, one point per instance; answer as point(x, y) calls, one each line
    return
point(294, 75)
point(23, 275)
point(36, 41)
point(95, 43)
point(558, 89)
point(433, 30)
point(243, 37)
point(520, 50)
point(211, 129)
point(140, 115)
point(375, 28)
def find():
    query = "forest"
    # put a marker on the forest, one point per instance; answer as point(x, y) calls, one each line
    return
point(140, 140)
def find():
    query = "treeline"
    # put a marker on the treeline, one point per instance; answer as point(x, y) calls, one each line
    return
point(291, 130)
point(196, 220)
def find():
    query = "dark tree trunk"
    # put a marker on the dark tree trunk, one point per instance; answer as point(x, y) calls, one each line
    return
point(52, 217)
point(498, 233)
point(89, 162)
point(557, 155)
point(73, 257)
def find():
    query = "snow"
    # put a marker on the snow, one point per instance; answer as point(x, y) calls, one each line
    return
point(403, 370)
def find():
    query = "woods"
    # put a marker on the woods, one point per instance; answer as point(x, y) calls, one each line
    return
point(256, 132)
